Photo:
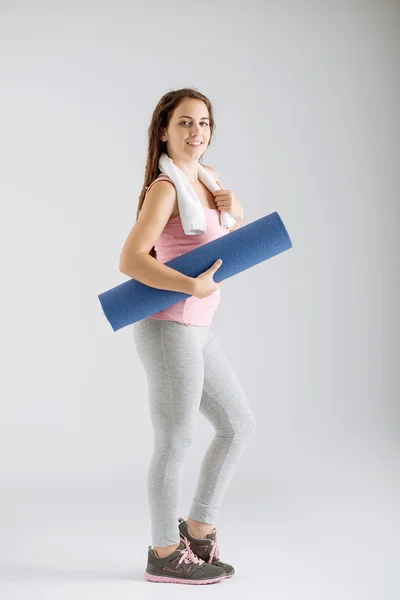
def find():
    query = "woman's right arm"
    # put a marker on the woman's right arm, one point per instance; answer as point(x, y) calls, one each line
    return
point(135, 260)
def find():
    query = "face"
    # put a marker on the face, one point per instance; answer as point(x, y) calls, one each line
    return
point(189, 123)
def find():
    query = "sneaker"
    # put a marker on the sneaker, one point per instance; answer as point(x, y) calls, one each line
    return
point(205, 548)
point(181, 566)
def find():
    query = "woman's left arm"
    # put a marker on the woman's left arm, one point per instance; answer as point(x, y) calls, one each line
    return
point(227, 200)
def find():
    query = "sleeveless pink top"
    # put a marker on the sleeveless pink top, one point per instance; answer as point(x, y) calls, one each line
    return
point(174, 242)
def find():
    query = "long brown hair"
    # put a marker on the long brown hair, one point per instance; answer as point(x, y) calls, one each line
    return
point(160, 120)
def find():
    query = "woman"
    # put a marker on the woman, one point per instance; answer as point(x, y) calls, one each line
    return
point(186, 368)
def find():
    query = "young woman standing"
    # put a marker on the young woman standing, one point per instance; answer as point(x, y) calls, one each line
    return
point(187, 370)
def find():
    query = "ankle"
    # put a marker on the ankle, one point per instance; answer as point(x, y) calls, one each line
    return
point(163, 551)
point(198, 528)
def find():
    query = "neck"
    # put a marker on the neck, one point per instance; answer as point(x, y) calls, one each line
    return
point(189, 168)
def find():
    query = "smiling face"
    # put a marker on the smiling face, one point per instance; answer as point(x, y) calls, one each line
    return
point(189, 123)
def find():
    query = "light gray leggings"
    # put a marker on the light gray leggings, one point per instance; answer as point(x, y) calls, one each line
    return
point(187, 371)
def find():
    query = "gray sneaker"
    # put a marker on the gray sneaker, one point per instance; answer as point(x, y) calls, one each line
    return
point(181, 566)
point(205, 548)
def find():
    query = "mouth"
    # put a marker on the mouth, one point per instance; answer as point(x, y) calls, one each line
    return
point(194, 144)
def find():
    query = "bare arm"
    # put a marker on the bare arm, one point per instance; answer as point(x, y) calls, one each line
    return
point(135, 260)
point(153, 273)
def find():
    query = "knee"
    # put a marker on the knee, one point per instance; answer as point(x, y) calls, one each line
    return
point(243, 429)
point(247, 427)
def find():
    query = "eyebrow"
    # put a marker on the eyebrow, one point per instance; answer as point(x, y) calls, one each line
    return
point(187, 117)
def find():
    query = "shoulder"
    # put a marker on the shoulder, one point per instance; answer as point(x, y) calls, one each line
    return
point(162, 194)
point(212, 171)
point(160, 179)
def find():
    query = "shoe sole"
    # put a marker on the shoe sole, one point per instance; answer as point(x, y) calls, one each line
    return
point(166, 579)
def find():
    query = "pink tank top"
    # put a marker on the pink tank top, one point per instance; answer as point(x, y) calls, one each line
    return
point(174, 242)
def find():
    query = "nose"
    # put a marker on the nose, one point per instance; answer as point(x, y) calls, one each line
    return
point(195, 130)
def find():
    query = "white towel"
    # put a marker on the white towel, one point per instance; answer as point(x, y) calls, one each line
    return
point(190, 208)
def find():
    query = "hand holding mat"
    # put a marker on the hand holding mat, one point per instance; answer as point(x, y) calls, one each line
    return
point(239, 250)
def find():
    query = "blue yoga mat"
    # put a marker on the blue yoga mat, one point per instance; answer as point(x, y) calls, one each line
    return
point(239, 250)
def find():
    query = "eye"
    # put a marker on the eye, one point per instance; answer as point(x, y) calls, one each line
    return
point(183, 122)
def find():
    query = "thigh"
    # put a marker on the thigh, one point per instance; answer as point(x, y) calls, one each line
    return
point(172, 357)
point(223, 401)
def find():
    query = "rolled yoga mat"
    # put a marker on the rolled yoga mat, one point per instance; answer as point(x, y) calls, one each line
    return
point(239, 250)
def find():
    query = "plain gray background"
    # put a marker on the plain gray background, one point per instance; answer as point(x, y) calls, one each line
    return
point(306, 98)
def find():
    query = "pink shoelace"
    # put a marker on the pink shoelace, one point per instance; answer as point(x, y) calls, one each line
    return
point(214, 550)
point(188, 555)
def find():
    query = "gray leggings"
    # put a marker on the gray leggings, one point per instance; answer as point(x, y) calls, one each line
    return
point(187, 371)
